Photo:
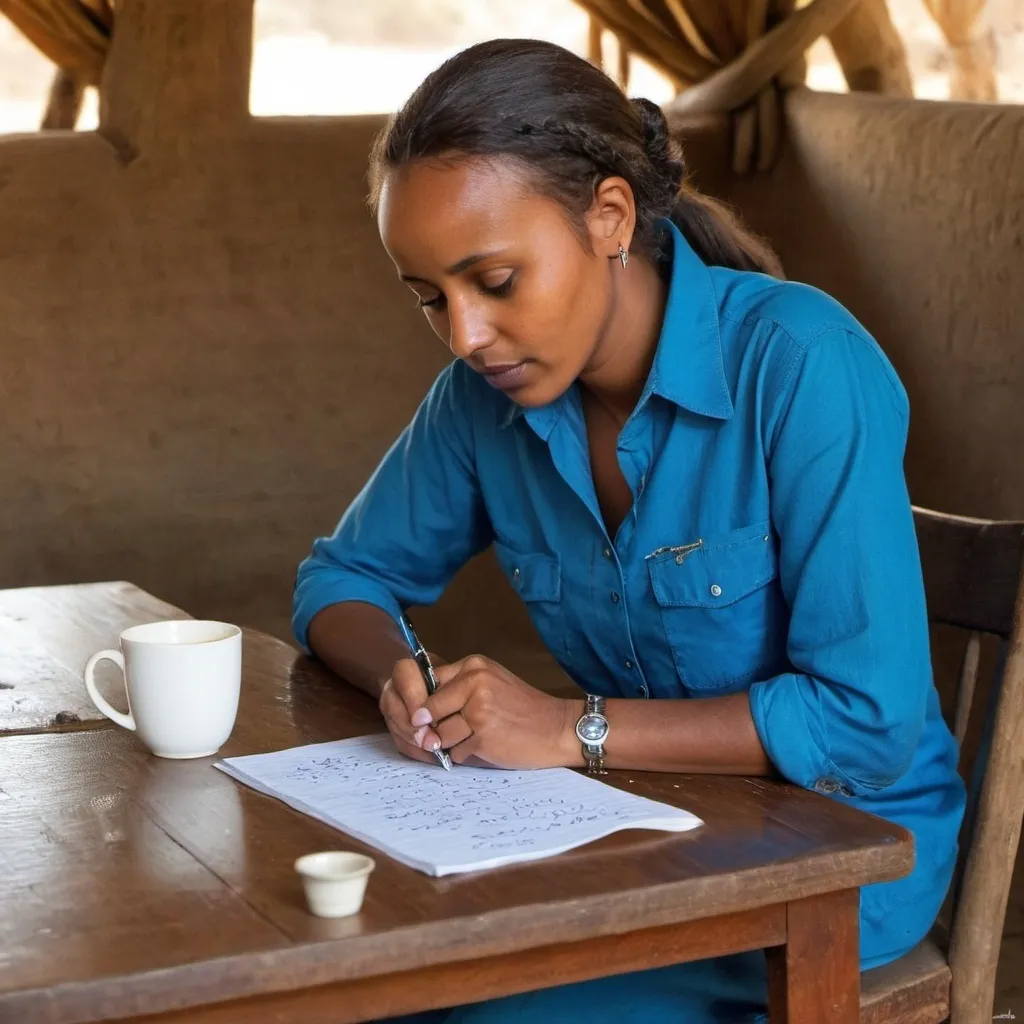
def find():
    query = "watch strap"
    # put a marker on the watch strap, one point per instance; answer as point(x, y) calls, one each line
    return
point(593, 753)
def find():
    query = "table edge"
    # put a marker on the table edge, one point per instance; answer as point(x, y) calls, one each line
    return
point(321, 962)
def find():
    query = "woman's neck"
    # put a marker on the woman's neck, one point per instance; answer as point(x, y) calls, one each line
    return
point(621, 364)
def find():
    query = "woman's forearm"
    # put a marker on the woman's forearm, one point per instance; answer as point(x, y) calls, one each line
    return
point(358, 641)
point(714, 735)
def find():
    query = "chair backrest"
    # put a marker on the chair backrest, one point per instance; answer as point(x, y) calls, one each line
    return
point(974, 581)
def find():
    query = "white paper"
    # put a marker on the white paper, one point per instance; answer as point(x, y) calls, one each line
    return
point(442, 822)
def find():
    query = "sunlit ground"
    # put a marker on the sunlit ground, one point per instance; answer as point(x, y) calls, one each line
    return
point(299, 72)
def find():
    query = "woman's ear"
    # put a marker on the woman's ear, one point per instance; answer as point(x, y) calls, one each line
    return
point(611, 219)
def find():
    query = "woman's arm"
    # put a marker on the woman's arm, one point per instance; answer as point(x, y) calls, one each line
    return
point(714, 735)
point(360, 642)
point(417, 521)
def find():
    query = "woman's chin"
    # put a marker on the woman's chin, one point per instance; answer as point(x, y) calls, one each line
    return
point(532, 398)
point(537, 393)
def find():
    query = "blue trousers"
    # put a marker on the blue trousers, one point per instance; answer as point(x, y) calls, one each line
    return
point(726, 990)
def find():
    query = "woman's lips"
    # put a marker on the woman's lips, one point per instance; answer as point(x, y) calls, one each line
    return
point(505, 378)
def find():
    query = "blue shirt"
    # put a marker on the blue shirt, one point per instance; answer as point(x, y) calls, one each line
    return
point(770, 548)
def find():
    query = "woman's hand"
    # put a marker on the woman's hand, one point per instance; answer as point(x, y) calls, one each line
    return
point(404, 693)
point(483, 712)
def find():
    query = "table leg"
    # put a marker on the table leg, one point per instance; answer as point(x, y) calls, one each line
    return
point(816, 975)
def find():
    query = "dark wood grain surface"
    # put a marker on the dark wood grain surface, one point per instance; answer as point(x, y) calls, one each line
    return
point(136, 885)
point(46, 636)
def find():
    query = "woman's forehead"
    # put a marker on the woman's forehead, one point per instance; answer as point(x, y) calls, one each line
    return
point(441, 212)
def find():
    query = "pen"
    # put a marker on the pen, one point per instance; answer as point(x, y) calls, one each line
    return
point(422, 659)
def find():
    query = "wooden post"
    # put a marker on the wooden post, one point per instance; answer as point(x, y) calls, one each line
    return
point(64, 103)
point(595, 32)
point(623, 68)
point(870, 51)
point(177, 73)
point(973, 73)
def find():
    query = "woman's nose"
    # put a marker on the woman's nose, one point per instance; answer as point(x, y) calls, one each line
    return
point(470, 331)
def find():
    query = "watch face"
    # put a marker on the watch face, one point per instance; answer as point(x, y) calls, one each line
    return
point(592, 728)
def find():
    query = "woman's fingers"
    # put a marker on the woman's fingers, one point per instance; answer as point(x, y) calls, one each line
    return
point(467, 752)
point(473, 683)
point(469, 690)
point(453, 731)
point(407, 682)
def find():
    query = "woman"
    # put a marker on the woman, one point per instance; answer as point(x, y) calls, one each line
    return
point(690, 470)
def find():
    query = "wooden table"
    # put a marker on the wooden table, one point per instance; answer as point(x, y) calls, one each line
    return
point(161, 891)
point(46, 636)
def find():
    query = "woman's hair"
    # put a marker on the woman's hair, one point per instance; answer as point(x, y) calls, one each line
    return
point(570, 127)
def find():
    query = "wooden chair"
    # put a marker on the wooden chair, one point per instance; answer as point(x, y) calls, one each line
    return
point(974, 581)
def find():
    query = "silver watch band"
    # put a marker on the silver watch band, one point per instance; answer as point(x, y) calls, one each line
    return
point(595, 723)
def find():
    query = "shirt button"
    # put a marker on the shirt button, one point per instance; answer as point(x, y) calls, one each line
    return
point(607, 552)
point(716, 590)
point(629, 665)
point(826, 786)
point(615, 598)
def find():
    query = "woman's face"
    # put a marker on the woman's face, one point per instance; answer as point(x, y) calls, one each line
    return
point(502, 277)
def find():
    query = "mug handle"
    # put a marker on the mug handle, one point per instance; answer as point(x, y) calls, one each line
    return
point(90, 684)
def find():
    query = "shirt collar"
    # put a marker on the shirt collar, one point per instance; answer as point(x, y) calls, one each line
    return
point(688, 368)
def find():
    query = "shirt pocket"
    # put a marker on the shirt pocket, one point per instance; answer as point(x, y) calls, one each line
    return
point(536, 577)
point(724, 617)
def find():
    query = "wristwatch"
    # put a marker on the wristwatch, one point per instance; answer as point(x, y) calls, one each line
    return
point(592, 731)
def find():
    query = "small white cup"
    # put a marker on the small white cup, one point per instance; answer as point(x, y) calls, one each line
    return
point(183, 679)
point(335, 882)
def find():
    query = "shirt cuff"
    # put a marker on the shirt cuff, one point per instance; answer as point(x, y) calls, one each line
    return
point(789, 725)
point(313, 595)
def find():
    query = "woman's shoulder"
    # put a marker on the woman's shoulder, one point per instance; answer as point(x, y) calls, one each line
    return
point(798, 310)
point(778, 323)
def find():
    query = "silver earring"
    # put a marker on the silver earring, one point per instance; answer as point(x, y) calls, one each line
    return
point(623, 256)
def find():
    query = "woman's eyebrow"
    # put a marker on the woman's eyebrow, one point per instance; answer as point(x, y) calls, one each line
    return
point(457, 268)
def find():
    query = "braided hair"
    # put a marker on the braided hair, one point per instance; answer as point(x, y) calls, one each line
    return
point(570, 127)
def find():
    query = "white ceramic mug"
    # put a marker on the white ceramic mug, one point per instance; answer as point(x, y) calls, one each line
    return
point(183, 679)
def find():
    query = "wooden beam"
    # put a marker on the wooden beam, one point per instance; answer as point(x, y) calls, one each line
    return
point(177, 73)
point(973, 50)
point(64, 102)
point(870, 51)
point(742, 80)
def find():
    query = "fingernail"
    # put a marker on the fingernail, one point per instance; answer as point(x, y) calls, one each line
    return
point(421, 717)
point(435, 746)
point(418, 736)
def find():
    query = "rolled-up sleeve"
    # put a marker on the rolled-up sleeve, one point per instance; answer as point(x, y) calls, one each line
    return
point(417, 521)
point(850, 714)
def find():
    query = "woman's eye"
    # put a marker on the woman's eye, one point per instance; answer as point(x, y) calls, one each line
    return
point(499, 291)
point(434, 303)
